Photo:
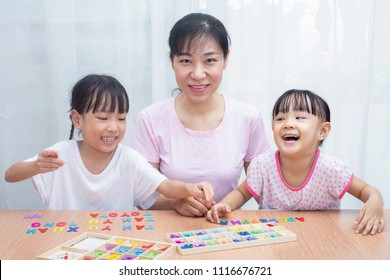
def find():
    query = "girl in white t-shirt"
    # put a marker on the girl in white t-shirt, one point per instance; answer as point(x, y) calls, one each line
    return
point(98, 172)
point(199, 134)
point(297, 176)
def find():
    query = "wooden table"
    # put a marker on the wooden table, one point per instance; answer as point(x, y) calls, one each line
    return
point(323, 235)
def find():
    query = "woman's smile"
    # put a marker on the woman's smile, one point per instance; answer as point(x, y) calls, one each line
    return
point(198, 88)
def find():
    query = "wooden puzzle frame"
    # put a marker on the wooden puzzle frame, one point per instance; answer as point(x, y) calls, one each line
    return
point(97, 246)
point(233, 237)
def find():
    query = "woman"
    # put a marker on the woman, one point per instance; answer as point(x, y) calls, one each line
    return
point(200, 134)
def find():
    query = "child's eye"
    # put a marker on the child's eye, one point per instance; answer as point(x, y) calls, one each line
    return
point(279, 117)
point(102, 118)
point(122, 117)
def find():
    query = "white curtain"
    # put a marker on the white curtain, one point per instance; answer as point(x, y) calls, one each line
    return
point(338, 49)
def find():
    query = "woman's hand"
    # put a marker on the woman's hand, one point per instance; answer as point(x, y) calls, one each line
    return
point(191, 207)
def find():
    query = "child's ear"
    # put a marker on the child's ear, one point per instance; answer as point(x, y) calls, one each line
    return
point(324, 131)
point(76, 118)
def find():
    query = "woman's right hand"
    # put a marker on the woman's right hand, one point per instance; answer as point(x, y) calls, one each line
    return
point(191, 207)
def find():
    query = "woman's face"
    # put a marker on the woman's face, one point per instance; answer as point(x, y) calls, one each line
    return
point(199, 72)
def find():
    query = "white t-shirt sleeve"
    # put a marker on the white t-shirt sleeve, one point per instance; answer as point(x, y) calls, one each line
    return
point(147, 180)
point(43, 183)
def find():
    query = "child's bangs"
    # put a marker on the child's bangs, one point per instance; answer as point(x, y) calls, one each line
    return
point(296, 101)
point(302, 100)
point(108, 100)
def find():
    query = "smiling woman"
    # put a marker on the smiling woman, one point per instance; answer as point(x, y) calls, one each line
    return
point(198, 75)
point(200, 133)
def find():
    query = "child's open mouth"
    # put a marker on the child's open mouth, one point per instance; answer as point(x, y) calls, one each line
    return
point(290, 138)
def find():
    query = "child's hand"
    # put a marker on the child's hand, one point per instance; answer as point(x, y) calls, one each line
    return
point(217, 210)
point(47, 161)
point(371, 218)
point(202, 190)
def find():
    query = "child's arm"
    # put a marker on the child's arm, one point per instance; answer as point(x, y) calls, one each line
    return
point(371, 217)
point(176, 190)
point(46, 161)
point(233, 200)
point(188, 206)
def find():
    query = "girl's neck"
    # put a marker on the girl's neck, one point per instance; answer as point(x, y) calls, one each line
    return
point(295, 171)
point(94, 161)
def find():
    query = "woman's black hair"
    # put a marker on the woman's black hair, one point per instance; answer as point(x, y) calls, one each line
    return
point(194, 29)
point(98, 91)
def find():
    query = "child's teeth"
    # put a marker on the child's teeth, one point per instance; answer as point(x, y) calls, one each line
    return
point(108, 139)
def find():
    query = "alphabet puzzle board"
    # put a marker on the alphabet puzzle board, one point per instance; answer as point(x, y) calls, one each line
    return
point(239, 236)
point(95, 246)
